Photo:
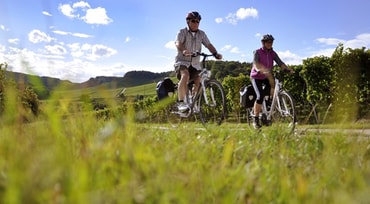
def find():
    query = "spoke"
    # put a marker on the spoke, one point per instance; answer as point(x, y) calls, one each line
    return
point(212, 104)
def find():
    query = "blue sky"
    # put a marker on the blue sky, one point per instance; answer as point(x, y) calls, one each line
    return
point(77, 40)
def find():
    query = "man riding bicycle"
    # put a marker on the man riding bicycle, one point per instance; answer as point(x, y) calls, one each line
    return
point(261, 74)
point(188, 41)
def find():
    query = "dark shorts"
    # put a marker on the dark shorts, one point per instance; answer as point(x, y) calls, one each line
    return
point(262, 88)
point(192, 71)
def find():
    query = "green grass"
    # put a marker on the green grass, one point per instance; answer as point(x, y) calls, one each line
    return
point(104, 92)
point(67, 155)
point(83, 160)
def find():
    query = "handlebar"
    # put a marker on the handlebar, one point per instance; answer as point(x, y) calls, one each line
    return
point(195, 54)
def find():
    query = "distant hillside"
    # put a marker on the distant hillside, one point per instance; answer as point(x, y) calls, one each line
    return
point(132, 78)
point(33, 80)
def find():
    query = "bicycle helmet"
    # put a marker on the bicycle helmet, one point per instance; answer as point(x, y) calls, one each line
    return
point(267, 37)
point(193, 15)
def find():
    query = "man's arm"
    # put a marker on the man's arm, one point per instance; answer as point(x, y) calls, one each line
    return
point(213, 50)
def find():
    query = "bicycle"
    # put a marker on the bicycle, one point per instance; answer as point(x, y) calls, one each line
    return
point(209, 101)
point(281, 110)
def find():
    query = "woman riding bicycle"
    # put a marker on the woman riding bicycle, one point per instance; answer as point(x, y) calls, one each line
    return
point(188, 41)
point(261, 74)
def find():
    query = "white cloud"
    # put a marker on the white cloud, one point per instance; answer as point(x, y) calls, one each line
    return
point(82, 10)
point(323, 52)
point(219, 20)
point(59, 32)
point(235, 50)
point(329, 41)
point(67, 10)
point(226, 47)
point(362, 40)
point(36, 36)
point(97, 16)
point(127, 39)
point(46, 13)
point(240, 14)
point(80, 35)
point(56, 49)
point(2, 27)
point(290, 58)
point(230, 48)
point(2, 49)
point(81, 4)
point(54, 64)
point(13, 41)
point(244, 13)
point(90, 52)
point(170, 45)
point(103, 51)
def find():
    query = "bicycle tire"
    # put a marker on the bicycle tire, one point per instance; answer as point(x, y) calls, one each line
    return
point(212, 111)
point(249, 115)
point(284, 113)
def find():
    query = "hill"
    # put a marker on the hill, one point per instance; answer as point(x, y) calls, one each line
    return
point(132, 78)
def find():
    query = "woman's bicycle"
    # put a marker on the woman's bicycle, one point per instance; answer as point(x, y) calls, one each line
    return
point(208, 102)
point(281, 110)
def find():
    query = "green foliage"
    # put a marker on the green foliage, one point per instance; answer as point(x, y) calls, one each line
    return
point(351, 83)
point(318, 74)
point(26, 96)
point(232, 87)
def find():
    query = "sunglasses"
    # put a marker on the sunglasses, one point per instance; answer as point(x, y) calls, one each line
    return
point(195, 21)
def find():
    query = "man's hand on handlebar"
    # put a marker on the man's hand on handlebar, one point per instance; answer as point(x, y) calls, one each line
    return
point(218, 56)
point(188, 53)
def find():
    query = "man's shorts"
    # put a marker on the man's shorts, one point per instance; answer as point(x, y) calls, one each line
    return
point(192, 71)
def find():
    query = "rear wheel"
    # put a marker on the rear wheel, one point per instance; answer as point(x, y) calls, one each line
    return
point(212, 104)
point(284, 111)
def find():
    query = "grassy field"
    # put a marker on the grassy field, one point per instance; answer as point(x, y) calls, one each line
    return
point(81, 159)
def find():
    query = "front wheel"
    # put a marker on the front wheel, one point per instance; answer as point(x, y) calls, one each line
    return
point(212, 103)
point(284, 111)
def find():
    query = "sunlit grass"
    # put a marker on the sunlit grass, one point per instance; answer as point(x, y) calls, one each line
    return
point(67, 155)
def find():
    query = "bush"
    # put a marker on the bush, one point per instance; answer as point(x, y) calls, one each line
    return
point(28, 98)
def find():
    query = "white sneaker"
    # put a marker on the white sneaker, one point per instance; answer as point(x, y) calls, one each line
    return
point(183, 107)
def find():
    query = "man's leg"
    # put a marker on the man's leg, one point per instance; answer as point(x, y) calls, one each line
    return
point(182, 87)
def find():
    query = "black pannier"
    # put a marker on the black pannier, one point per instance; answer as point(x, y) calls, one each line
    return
point(247, 96)
point(164, 87)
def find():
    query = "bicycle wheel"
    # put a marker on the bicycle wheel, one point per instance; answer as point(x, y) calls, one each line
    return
point(212, 103)
point(249, 115)
point(284, 111)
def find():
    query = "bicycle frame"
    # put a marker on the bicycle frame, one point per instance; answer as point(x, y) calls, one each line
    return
point(275, 101)
point(204, 75)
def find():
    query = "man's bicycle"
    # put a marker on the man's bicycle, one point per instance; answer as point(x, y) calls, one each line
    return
point(208, 102)
point(281, 110)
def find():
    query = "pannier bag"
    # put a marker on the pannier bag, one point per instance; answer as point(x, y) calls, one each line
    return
point(247, 96)
point(164, 87)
